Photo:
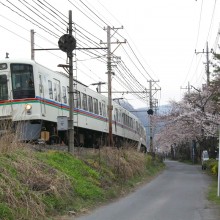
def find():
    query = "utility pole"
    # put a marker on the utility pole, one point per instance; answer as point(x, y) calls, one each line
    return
point(207, 63)
point(99, 85)
point(109, 69)
point(71, 125)
point(150, 113)
point(32, 45)
point(187, 87)
point(207, 52)
point(67, 43)
point(109, 72)
point(218, 190)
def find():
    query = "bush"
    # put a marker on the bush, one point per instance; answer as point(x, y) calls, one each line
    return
point(212, 166)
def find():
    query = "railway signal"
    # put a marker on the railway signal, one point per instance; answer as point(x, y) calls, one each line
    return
point(67, 43)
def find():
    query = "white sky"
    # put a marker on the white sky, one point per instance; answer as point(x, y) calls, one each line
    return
point(164, 35)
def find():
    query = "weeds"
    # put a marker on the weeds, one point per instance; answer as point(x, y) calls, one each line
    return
point(26, 185)
point(34, 185)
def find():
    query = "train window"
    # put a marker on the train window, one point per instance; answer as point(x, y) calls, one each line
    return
point(96, 108)
point(64, 97)
point(3, 87)
point(122, 118)
point(3, 66)
point(116, 114)
point(50, 88)
point(40, 84)
point(100, 108)
point(77, 99)
point(104, 109)
point(119, 116)
point(68, 94)
point(84, 101)
point(90, 104)
point(56, 89)
point(22, 81)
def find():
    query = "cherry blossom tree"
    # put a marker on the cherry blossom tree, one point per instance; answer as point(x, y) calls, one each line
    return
point(194, 119)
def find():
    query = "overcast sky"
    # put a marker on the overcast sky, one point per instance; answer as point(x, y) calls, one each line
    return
point(163, 34)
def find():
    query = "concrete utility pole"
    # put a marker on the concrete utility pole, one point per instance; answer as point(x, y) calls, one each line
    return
point(32, 45)
point(187, 87)
point(218, 191)
point(207, 52)
point(71, 125)
point(109, 72)
point(150, 113)
point(109, 69)
point(207, 63)
point(67, 43)
point(99, 85)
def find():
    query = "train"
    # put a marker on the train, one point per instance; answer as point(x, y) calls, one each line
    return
point(33, 98)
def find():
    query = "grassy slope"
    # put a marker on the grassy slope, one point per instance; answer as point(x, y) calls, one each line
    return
point(35, 185)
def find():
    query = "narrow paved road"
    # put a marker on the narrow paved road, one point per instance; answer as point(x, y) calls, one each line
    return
point(179, 193)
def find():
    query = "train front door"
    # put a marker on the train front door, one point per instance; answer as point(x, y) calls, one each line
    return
point(42, 97)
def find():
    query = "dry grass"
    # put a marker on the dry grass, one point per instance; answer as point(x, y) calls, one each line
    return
point(27, 186)
point(124, 162)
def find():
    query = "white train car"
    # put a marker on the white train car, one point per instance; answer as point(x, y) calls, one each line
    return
point(32, 97)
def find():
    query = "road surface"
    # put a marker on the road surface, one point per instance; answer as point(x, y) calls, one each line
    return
point(179, 193)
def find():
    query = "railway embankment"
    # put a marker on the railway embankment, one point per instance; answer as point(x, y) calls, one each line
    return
point(44, 184)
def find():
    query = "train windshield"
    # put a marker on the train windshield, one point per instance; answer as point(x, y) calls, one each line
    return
point(3, 87)
point(22, 81)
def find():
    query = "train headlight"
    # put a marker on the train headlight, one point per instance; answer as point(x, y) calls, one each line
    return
point(28, 107)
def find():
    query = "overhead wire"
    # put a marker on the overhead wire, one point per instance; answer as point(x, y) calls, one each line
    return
point(57, 35)
point(82, 36)
point(85, 14)
point(200, 18)
point(43, 7)
point(211, 22)
point(28, 40)
point(42, 16)
point(93, 12)
point(196, 43)
point(30, 19)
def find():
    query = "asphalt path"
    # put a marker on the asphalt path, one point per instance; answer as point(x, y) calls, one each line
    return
point(179, 193)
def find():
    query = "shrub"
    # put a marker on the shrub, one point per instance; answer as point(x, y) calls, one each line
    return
point(212, 166)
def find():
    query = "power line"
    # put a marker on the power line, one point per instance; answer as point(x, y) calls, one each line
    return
point(85, 14)
point(93, 12)
point(47, 20)
point(29, 19)
point(200, 17)
point(213, 12)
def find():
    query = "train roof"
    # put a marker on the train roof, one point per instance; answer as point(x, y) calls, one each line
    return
point(28, 61)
